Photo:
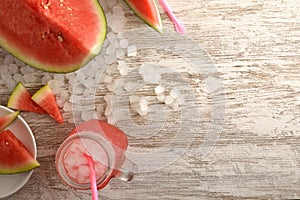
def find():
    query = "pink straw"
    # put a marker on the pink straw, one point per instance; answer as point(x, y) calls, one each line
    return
point(92, 177)
point(178, 26)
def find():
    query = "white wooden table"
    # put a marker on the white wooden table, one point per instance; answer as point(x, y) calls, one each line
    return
point(237, 137)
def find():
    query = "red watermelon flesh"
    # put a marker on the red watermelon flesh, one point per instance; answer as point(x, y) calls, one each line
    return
point(45, 98)
point(6, 120)
point(15, 157)
point(20, 99)
point(147, 10)
point(52, 35)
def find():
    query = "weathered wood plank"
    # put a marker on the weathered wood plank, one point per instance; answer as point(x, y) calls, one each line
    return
point(255, 48)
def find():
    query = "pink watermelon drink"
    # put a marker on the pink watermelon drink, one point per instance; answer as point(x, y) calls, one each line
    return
point(104, 144)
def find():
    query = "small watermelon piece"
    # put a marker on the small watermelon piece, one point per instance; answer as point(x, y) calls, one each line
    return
point(20, 99)
point(55, 36)
point(147, 10)
point(15, 157)
point(6, 120)
point(45, 98)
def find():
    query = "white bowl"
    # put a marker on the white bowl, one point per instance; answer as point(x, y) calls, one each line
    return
point(10, 184)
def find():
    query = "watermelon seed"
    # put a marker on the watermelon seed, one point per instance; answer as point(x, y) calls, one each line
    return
point(6, 143)
point(68, 8)
point(43, 36)
point(46, 4)
point(60, 37)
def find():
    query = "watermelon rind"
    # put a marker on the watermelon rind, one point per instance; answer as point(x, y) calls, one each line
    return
point(15, 157)
point(45, 98)
point(21, 168)
point(8, 119)
point(20, 99)
point(66, 68)
point(149, 4)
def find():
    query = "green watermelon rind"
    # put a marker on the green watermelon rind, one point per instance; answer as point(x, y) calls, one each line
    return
point(8, 119)
point(158, 26)
point(16, 102)
point(16, 92)
point(20, 168)
point(65, 69)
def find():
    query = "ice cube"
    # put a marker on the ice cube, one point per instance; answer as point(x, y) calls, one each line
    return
point(123, 43)
point(111, 37)
point(175, 105)
point(120, 53)
point(30, 78)
point(18, 62)
point(18, 77)
point(108, 110)
point(26, 69)
point(110, 50)
point(78, 89)
point(67, 107)
point(169, 100)
point(109, 59)
point(161, 98)
point(111, 120)
point(107, 79)
point(159, 90)
point(54, 85)
point(46, 78)
point(59, 77)
point(132, 51)
point(13, 68)
point(9, 59)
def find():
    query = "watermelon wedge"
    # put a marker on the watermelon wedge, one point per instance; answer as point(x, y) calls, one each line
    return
point(15, 157)
point(55, 36)
point(45, 98)
point(6, 120)
point(147, 10)
point(20, 99)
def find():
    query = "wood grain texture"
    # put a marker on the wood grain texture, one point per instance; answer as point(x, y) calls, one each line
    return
point(255, 48)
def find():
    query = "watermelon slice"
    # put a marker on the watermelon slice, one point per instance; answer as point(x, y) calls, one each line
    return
point(55, 36)
point(6, 120)
point(147, 11)
point(45, 98)
point(15, 157)
point(20, 99)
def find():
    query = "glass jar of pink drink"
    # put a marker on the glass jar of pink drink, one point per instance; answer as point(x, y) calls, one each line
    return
point(102, 142)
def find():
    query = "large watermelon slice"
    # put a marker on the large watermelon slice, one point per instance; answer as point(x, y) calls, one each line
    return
point(6, 120)
point(147, 11)
point(15, 157)
point(56, 35)
point(45, 98)
point(20, 99)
